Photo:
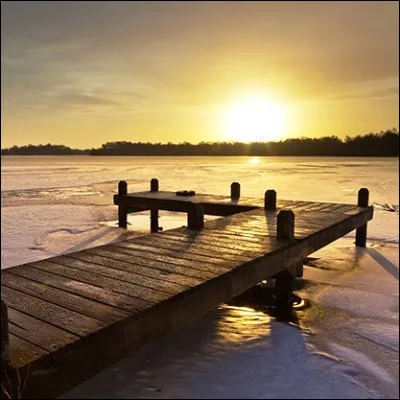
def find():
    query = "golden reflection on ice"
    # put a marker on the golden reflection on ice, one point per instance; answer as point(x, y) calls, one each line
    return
point(239, 325)
point(254, 160)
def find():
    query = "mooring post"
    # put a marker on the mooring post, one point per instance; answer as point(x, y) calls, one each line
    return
point(195, 216)
point(284, 279)
point(361, 232)
point(122, 208)
point(270, 200)
point(154, 212)
point(5, 340)
point(285, 225)
point(154, 185)
point(235, 190)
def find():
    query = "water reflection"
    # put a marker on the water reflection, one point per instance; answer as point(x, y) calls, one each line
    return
point(241, 324)
point(254, 160)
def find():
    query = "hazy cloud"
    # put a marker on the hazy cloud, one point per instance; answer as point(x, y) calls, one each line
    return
point(141, 55)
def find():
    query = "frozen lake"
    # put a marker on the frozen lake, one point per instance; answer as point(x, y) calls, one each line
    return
point(347, 344)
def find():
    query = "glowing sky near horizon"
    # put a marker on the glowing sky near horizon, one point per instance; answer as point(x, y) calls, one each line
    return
point(84, 73)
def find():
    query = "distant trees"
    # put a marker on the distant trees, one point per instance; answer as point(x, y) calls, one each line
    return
point(382, 144)
point(43, 150)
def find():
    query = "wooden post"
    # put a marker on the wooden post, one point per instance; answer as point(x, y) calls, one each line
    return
point(5, 340)
point(361, 232)
point(122, 188)
point(195, 216)
point(122, 208)
point(285, 225)
point(299, 269)
point(235, 190)
point(270, 200)
point(154, 185)
point(154, 212)
point(284, 279)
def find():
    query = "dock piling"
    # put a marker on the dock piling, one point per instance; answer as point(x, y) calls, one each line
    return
point(284, 279)
point(122, 188)
point(154, 212)
point(235, 190)
point(154, 185)
point(285, 225)
point(195, 216)
point(270, 200)
point(361, 232)
point(122, 208)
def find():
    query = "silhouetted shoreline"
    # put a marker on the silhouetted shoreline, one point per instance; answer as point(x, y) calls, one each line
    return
point(383, 144)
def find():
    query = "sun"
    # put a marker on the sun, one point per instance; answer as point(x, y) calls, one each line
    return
point(254, 119)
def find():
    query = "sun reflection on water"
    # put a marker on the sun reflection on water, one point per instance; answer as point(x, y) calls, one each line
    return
point(242, 324)
point(254, 160)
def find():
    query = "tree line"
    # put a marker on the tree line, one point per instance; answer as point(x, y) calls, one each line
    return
point(382, 144)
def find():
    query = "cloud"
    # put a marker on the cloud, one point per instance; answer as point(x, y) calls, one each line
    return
point(377, 94)
point(115, 58)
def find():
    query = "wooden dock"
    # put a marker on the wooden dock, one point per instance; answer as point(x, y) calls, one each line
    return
point(70, 316)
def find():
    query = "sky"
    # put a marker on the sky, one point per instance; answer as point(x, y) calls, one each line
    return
point(86, 73)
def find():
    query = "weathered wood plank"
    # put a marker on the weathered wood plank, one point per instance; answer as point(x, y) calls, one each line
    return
point(68, 320)
point(185, 270)
point(61, 298)
point(246, 245)
point(82, 289)
point(111, 272)
point(162, 241)
point(199, 265)
point(39, 333)
point(23, 352)
point(162, 275)
point(130, 289)
point(219, 241)
point(151, 248)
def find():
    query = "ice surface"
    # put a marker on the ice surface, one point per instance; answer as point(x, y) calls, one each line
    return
point(346, 344)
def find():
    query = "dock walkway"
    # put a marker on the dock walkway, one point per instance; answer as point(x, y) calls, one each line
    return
point(73, 315)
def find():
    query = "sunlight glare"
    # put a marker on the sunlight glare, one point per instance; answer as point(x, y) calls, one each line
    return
point(254, 160)
point(254, 119)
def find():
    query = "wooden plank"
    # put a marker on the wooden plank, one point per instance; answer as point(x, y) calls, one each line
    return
point(213, 205)
point(198, 265)
point(208, 241)
point(61, 298)
point(37, 332)
point(162, 275)
point(160, 241)
point(82, 289)
point(257, 246)
point(335, 208)
point(247, 244)
point(152, 248)
point(23, 352)
point(110, 272)
point(118, 286)
point(185, 270)
point(68, 320)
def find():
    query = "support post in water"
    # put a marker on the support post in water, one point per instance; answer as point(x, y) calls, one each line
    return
point(235, 190)
point(195, 216)
point(361, 232)
point(270, 200)
point(154, 212)
point(5, 340)
point(284, 279)
point(122, 208)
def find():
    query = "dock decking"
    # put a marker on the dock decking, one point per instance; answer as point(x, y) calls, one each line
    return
point(73, 315)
